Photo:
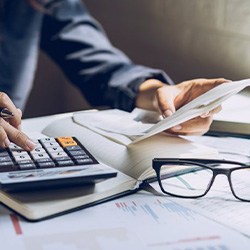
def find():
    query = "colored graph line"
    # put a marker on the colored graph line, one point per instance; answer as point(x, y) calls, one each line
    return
point(16, 224)
point(192, 240)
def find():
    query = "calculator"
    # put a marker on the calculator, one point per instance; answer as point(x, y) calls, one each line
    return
point(55, 162)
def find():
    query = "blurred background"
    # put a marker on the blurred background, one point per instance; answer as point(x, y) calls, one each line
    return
point(187, 39)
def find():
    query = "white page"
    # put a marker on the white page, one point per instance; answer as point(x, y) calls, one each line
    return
point(235, 109)
point(114, 120)
point(141, 221)
point(230, 148)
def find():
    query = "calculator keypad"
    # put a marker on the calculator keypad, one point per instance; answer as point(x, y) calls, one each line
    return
point(48, 153)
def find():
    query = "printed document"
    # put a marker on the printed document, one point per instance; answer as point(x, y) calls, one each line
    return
point(141, 221)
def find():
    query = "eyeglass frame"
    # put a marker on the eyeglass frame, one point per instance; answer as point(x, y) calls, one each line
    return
point(157, 163)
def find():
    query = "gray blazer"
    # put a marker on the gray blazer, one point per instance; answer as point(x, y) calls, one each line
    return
point(67, 33)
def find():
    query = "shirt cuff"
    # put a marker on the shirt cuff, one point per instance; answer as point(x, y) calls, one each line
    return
point(127, 96)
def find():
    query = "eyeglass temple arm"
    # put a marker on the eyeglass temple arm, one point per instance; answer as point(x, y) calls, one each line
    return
point(194, 160)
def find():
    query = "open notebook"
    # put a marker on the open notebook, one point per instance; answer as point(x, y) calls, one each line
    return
point(128, 146)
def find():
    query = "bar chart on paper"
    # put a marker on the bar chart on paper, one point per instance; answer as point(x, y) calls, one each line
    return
point(154, 210)
point(132, 222)
point(174, 226)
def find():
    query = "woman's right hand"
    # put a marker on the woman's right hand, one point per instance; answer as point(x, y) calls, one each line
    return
point(10, 129)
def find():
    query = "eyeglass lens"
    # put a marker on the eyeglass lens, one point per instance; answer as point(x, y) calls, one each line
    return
point(193, 180)
point(189, 181)
point(241, 183)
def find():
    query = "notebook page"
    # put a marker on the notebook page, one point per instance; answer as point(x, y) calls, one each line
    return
point(135, 159)
point(117, 125)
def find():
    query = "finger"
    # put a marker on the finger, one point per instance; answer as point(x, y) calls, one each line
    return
point(17, 136)
point(165, 98)
point(212, 112)
point(196, 126)
point(5, 102)
point(4, 141)
point(208, 84)
point(20, 112)
point(19, 127)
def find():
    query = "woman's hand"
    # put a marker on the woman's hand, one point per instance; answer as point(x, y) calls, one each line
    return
point(155, 95)
point(10, 129)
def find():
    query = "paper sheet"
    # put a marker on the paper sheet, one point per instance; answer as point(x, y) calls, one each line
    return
point(220, 204)
point(230, 148)
point(141, 221)
point(236, 109)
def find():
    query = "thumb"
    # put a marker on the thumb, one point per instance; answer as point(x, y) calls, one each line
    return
point(165, 99)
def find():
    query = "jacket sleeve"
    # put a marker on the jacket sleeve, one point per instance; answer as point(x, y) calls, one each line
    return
point(78, 44)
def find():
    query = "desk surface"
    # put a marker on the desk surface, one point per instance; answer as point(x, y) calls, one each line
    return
point(37, 124)
point(140, 221)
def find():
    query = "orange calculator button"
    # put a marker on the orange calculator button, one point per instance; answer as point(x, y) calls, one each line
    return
point(66, 141)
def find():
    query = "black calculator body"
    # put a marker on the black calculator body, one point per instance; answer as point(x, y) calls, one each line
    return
point(55, 162)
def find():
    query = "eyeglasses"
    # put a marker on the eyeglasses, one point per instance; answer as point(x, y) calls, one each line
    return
point(193, 178)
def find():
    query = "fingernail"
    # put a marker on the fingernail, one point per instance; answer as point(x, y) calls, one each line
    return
point(30, 144)
point(206, 114)
point(167, 113)
point(6, 143)
point(178, 127)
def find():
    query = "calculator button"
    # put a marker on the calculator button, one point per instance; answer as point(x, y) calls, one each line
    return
point(58, 155)
point(7, 167)
point(22, 157)
point(2, 150)
point(77, 152)
point(13, 146)
point(65, 138)
point(39, 150)
point(6, 163)
point(19, 152)
point(75, 157)
point(36, 141)
point(55, 149)
point(4, 153)
point(43, 160)
point(72, 148)
point(50, 144)
point(27, 166)
point(5, 158)
point(48, 164)
point(65, 163)
point(24, 161)
point(47, 139)
point(84, 161)
point(38, 156)
point(66, 141)
point(62, 158)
